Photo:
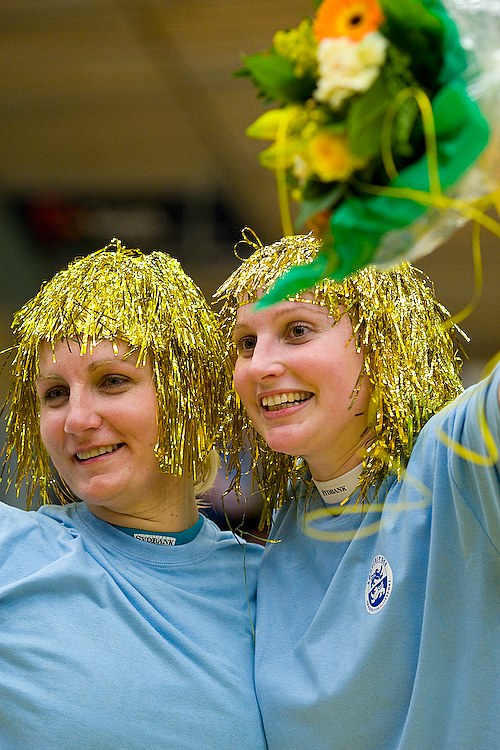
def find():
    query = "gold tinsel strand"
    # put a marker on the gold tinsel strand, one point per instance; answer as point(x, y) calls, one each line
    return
point(149, 302)
point(410, 357)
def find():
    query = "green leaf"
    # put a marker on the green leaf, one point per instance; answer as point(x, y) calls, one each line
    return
point(241, 73)
point(413, 14)
point(276, 79)
point(365, 118)
point(419, 32)
point(296, 280)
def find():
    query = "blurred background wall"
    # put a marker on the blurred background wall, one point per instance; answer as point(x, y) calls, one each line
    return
point(123, 118)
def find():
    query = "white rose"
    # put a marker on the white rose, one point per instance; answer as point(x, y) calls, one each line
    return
point(347, 67)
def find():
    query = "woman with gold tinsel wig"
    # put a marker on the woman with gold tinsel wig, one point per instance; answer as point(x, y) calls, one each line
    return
point(378, 617)
point(126, 617)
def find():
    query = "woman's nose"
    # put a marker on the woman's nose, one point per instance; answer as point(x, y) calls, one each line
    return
point(266, 361)
point(81, 413)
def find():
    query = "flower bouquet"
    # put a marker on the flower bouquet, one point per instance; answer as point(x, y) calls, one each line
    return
point(383, 129)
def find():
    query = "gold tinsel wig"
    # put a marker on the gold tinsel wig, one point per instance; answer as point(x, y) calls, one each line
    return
point(148, 302)
point(407, 338)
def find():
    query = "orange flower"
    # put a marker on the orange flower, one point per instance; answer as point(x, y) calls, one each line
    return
point(330, 158)
point(318, 224)
point(351, 18)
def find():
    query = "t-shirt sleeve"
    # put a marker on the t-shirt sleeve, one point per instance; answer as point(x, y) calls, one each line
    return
point(471, 432)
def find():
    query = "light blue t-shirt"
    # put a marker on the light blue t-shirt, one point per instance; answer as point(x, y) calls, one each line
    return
point(108, 642)
point(384, 633)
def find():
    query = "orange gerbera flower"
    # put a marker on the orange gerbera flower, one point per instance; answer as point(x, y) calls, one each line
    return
point(351, 18)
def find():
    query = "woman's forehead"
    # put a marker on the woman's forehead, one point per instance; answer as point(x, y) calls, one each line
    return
point(104, 347)
point(250, 312)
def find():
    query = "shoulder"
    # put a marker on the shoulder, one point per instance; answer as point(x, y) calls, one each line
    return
point(46, 517)
point(35, 531)
point(457, 456)
point(230, 541)
point(472, 415)
point(469, 424)
point(66, 519)
point(231, 555)
point(29, 540)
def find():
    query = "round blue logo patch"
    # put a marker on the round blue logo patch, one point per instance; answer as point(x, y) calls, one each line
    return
point(379, 585)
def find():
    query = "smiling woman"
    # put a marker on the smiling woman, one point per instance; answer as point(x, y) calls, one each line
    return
point(98, 424)
point(386, 480)
point(121, 605)
point(299, 401)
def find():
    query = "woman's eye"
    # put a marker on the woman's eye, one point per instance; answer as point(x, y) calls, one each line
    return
point(114, 381)
point(55, 394)
point(246, 345)
point(298, 330)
